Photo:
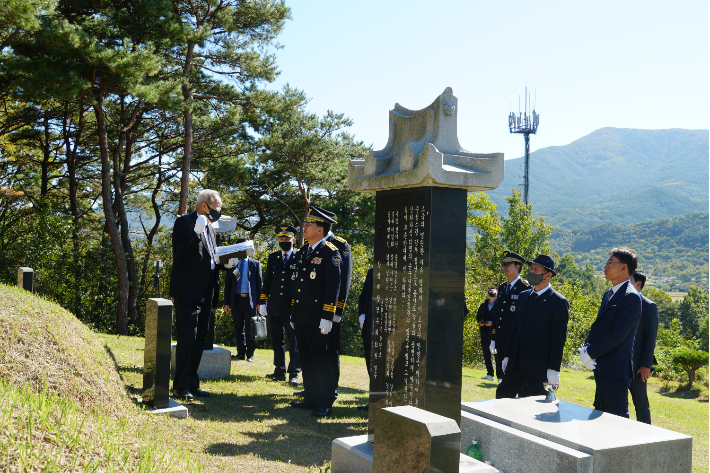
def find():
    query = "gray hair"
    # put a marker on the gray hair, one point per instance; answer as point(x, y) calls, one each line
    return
point(207, 195)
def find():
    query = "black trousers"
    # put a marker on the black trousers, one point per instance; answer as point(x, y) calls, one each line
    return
point(241, 324)
point(192, 328)
point(317, 370)
point(612, 395)
point(639, 396)
point(487, 357)
point(334, 351)
point(367, 345)
point(515, 383)
point(280, 330)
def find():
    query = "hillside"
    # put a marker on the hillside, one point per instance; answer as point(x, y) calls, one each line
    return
point(674, 248)
point(615, 175)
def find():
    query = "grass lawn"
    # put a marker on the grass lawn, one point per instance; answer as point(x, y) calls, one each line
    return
point(247, 424)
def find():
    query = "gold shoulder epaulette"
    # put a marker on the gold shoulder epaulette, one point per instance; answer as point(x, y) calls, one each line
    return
point(525, 282)
point(275, 252)
point(304, 245)
point(341, 240)
point(331, 246)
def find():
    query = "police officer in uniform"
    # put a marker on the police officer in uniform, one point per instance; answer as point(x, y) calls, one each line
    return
point(276, 295)
point(504, 308)
point(346, 273)
point(315, 295)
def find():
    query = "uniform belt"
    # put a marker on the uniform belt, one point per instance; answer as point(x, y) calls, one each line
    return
point(243, 295)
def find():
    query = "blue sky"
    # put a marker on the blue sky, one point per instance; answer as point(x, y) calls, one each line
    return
point(626, 64)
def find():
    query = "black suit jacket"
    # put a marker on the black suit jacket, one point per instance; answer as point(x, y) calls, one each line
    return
point(191, 271)
point(645, 341)
point(539, 333)
point(504, 308)
point(315, 289)
point(234, 278)
point(346, 270)
point(277, 287)
point(485, 315)
point(611, 336)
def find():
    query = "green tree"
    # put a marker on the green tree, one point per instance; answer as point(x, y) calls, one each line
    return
point(691, 361)
point(693, 310)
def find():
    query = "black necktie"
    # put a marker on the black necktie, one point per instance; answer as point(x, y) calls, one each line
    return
point(608, 298)
point(308, 252)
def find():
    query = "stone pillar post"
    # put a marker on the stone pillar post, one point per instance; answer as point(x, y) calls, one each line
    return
point(156, 361)
point(25, 279)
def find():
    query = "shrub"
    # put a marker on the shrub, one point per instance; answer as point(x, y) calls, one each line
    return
point(691, 361)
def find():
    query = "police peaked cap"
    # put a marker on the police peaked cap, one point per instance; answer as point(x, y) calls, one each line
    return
point(546, 262)
point(317, 214)
point(510, 257)
point(285, 230)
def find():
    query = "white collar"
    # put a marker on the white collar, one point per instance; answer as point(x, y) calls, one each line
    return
point(618, 286)
point(515, 281)
point(317, 243)
point(286, 253)
point(542, 291)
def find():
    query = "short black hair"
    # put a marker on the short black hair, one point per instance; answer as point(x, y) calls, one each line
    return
point(639, 277)
point(626, 256)
point(326, 226)
point(242, 239)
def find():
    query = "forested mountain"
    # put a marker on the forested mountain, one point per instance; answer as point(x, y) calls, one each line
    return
point(615, 175)
point(673, 248)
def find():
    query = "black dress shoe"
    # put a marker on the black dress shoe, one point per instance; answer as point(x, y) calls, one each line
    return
point(237, 357)
point(302, 405)
point(199, 392)
point(183, 394)
point(321, 412)
point(366, 407)
point(276, 377)
point(300, 393)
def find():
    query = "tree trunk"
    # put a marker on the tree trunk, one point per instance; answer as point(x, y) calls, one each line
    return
point(111, 227)
point(71, 154)
point(187, 123)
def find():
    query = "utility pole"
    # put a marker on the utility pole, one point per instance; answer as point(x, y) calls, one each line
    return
point(525, 125)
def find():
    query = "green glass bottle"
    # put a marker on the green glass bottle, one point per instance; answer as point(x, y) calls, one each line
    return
point(474, 451)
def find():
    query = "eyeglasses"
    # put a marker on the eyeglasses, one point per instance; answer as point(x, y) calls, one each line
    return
point(609, 263)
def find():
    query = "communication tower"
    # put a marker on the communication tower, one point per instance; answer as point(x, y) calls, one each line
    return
point(525, 123)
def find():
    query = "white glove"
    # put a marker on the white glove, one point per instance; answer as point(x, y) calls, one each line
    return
point(504, 363)
point(586, 360)
point(362, 320)
point(325, 326)
point(262, 309)
point(336, 319)
point(492, 348)
point(232, 261)
point(200, 224)
point(553, 377)
point(292, 326)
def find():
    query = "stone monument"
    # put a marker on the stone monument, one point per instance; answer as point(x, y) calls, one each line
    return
point(421, 179)
point(25, 279)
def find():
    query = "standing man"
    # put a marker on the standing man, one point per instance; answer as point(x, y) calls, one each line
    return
point(644, 344)
point(609, 346)
point(364, 306)
point(505, 307)
point(534, 353)
point(276, 295)
point(193, 280)
point(315, 295)
point(485, 316)
point(242, 291)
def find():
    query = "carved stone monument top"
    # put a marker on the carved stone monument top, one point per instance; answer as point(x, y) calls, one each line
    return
point(423, 150)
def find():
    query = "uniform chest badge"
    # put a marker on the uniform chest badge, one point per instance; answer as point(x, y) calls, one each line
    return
point(346, 253)
point(512, 308)
point(293, 277)
point(317, 260)
point(336, 261)
point(293, 266)
point(313, 274)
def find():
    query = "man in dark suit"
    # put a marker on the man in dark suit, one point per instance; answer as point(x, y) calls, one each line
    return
point(193, 280)
point(505, 307)
point(276, 295)
point(484, 317)
point(644, 344)
point(609, 345)
point(534, 352)
point(242, 295)
point(315, 295)
point(364, 308)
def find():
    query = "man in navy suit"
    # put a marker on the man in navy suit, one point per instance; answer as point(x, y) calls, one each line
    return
point(193, 281)
point(242, 293)
point(609, 347)
point(644, 344)
point(534, 352)
point(276, 295)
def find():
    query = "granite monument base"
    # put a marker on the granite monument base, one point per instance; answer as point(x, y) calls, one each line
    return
point(354, 455)
point(531, 435)
point(174, 409)
point(215, 364)
point(25, 279)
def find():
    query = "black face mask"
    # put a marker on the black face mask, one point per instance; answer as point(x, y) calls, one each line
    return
point(286, 245)
point(535, 279)
point(214, 215)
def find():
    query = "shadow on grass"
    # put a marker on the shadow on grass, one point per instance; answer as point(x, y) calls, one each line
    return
point(682, 392)
point(277, 431)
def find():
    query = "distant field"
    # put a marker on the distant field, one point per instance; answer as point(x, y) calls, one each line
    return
point(677, 296)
